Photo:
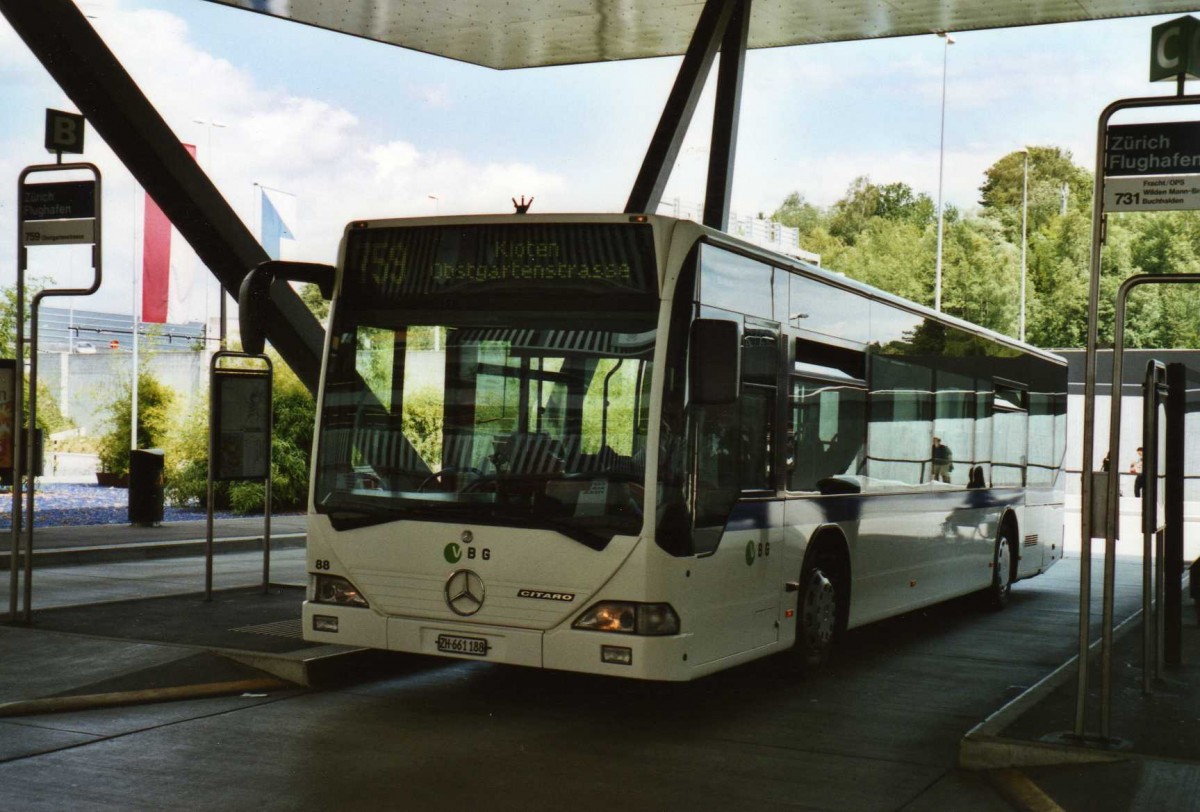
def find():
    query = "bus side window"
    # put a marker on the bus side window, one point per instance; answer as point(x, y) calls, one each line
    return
point(760, 371)
point(716, 447)
point(954, 426)
point(1010, 425)
point(901, 428)
point(827, 424)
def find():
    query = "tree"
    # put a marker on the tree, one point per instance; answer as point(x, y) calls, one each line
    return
point(897, 201)
point(317, 304)
point(865, 201)
point(980, 275)
point(155, 404)
point(1057, 282)
point(1003, 189)
point(795, 212)
point(895, 256)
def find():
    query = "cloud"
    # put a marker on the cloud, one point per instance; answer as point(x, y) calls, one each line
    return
point(247, 133)
point(438, 96)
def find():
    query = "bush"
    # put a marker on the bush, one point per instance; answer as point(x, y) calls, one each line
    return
point(155, 401)
point(293, 412)
point(423, 424)
point(185, 477)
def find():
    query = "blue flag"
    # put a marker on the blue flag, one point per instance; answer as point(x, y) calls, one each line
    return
point(274, 227)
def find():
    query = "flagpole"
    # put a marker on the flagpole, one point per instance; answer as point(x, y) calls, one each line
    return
point(137, 314)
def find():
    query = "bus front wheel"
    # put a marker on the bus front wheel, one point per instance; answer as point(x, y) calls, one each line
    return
point(817, 613)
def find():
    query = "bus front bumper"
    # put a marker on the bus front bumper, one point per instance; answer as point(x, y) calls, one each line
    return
point(659, 658)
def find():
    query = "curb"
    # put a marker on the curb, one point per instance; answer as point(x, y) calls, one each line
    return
point(61, 704)
point(984, 748)
point(300, 672)
point(69, 556)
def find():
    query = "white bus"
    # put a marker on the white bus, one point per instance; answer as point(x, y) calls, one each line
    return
point(635, 446)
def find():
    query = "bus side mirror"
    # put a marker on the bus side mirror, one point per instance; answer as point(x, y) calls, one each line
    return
point(255, 294)
point(715, 362)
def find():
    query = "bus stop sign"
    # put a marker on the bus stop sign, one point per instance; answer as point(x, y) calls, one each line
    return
point(64, 132)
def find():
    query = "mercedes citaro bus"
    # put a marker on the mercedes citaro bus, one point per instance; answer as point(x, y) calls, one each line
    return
point(636, 446)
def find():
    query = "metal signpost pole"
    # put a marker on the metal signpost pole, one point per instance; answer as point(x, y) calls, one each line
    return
point(212, 454)
point(270, 437)
point(1176, 64)
point(64, 213)
point(240, 425)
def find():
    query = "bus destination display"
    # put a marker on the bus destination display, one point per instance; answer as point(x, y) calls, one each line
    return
point(394, 265)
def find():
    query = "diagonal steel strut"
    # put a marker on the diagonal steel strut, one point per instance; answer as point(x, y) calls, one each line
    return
point(677, 114)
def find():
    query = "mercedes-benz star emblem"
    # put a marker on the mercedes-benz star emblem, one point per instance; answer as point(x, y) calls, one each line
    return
point(464, 592)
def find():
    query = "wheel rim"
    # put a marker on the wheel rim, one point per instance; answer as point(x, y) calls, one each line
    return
point(819, 612)
point(1003, 565)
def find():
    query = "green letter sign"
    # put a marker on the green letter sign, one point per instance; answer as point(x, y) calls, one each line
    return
point(1175, 50)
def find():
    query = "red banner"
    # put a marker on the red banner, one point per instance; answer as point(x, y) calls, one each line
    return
point(156, 260)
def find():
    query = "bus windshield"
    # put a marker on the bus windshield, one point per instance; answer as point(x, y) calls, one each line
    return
point(510, 419)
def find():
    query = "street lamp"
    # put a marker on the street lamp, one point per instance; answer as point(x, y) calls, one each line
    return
point(1024, 240)
point(437, 203)
point(937, 275)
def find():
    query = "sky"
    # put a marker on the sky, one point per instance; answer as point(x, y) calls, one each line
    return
point(355, 129)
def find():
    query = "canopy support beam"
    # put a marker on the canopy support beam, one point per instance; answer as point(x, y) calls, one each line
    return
point(681, 105)
point(723, 148)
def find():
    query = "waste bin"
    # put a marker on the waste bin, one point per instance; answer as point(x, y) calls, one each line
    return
point(146, 486)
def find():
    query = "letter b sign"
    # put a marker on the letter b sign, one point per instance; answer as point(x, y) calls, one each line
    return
point(64, 132)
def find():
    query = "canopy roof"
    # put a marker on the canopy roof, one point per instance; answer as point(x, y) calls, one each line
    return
point(505, 34)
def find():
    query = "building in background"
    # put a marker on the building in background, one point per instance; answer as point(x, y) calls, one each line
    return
point(86, 357)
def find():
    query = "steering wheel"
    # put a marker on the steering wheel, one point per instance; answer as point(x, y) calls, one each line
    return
point(449, 470)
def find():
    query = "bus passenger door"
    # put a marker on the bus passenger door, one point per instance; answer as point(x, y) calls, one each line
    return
point(738, 527)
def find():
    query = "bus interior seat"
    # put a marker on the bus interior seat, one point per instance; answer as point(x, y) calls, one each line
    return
point(535, 453)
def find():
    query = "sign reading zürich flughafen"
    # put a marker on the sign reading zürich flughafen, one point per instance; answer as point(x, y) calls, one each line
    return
point(1152, 167)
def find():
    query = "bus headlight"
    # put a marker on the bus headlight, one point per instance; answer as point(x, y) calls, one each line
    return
point(624, 617)
point(335, 590)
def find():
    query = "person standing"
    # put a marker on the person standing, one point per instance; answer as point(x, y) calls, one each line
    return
point(1139, 476)
point(942, 461)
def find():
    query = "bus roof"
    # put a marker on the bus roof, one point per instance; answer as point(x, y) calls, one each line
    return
point(504, 35)
point(834, 278)
point(665, 234)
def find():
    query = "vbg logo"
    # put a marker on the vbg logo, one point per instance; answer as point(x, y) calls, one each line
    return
point(454, 553)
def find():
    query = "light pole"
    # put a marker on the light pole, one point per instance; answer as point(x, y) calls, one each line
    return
point(1024, 225)
point(437, 203)
point(937, 274)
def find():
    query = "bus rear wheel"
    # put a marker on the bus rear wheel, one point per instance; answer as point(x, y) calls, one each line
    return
point(998, 593)
point(817, 614)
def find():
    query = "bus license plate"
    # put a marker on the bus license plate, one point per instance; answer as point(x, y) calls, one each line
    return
point(453, 644)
